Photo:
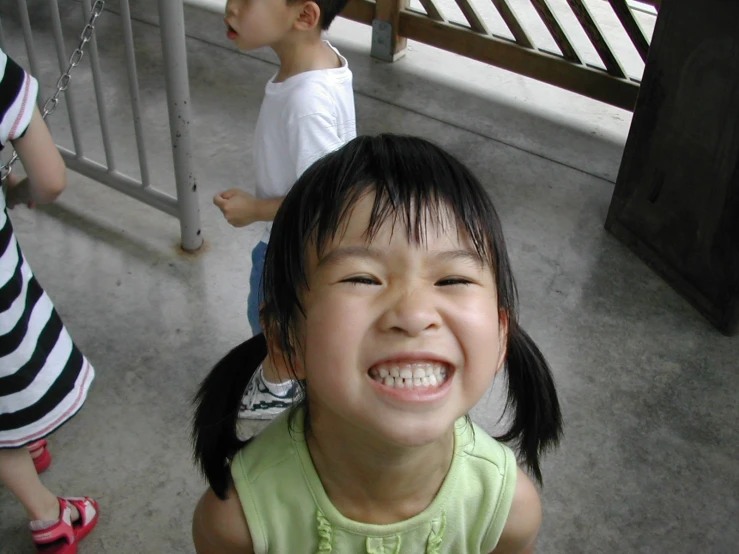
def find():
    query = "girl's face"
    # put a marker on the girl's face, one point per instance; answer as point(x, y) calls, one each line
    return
point(399, 339)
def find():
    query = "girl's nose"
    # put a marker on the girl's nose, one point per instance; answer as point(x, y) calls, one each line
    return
point(412, 313)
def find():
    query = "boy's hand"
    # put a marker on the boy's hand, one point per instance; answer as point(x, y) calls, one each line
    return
point(238, 206)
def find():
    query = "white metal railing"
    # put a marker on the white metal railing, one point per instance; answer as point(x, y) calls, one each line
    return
point(172, 22)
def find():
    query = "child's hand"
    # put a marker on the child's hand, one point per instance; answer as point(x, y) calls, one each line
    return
point(18, 191)
point(238, 207)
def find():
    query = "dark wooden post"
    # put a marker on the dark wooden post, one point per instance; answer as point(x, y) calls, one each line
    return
point(676, 201)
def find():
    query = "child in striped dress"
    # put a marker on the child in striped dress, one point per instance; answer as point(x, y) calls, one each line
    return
point(44, 378)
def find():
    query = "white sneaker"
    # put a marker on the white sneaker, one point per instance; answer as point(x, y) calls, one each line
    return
point(261, 403)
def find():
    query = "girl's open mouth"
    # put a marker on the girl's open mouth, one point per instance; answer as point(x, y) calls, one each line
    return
point(411, 375)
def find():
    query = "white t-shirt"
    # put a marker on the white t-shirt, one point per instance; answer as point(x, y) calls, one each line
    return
point(301, 120)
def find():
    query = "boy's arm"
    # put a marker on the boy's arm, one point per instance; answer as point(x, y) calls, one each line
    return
point(241, 208)
point(219, 526)
point(524, 519)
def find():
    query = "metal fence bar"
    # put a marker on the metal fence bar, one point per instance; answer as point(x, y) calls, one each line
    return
point(510, 19)
point(556, 30)
point(596, 37)
point(98, 85)
point(61, 53)
point(133, 82)
point(172, 22)
point(120, 182)
point(623, 12)
point(28, 38)
point(215, 6)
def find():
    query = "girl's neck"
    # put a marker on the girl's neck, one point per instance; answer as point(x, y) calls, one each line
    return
point(306, 54)
point(371, 481)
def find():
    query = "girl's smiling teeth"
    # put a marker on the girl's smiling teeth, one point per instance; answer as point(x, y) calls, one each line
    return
point(416, 375)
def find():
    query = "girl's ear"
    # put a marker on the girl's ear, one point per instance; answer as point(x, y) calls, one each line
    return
point(308, 17)
point(503, 326)
point(286, 368)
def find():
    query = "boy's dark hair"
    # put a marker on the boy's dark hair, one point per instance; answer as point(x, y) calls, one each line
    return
point(329, 10)
point(415, 184)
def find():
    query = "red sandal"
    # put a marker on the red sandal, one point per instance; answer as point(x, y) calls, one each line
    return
point(43, 460)
point(64, 535)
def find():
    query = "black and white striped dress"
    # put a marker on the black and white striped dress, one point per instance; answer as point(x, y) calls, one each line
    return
point(44, 378)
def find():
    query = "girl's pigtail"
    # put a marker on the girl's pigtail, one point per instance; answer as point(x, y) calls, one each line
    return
point(216, 409)
point(537, 421)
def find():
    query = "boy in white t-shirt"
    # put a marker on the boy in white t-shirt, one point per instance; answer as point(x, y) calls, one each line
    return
point(307, 112)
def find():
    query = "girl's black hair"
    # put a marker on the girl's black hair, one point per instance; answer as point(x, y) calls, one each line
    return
point(415, 184)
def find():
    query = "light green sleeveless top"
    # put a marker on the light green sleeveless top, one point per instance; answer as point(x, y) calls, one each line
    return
point(289, 512)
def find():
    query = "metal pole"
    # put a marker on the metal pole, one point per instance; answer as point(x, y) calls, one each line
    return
point(172, 22)
point(63, 61)
point(133, 83)
point(100, 99)
point(28, 37)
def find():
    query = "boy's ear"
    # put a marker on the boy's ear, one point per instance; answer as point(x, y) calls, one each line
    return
point(309, 16)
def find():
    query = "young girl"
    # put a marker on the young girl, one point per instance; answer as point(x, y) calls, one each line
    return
point(44, 378)
point(389, 295)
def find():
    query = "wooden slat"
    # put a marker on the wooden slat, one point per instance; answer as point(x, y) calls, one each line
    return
point(590, 26)
point(432, 11)
point(626, 16)
point(473, 18)
point(590, 82)
point(508, 15)
point(361, 11)
point(556, 30)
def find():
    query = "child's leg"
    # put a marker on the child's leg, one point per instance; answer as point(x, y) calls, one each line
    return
point(254, 301)
point(255, 287)
point(18, 473)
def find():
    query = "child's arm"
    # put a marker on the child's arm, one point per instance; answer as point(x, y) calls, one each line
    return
point(219, 526)
point(44, 166)
point(241, 208)
point(524, 519)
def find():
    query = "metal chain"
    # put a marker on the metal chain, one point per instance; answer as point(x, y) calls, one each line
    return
point(63, 83)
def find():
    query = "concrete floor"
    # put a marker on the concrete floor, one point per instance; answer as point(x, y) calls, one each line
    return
point(648, 388)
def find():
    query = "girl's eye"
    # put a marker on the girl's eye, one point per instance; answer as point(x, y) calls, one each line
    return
point(361, 280)
point(448, 281)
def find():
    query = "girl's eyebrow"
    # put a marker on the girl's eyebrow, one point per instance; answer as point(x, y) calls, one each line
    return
point(460, 254)
point(338, 255)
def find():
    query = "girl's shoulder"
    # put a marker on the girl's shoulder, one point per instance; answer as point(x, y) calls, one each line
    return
point(473, 441)
point(219, 525)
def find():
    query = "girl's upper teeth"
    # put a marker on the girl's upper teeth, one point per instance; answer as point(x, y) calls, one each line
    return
point(409, 375)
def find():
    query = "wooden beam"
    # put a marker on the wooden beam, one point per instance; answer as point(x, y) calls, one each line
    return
point(388, 12)
point(591, 82)
point(555, 29)
point(473, 18)
point(626, 16)
point(510, 19)
point(590, 26)
point(361, 11)
point(432, 11)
